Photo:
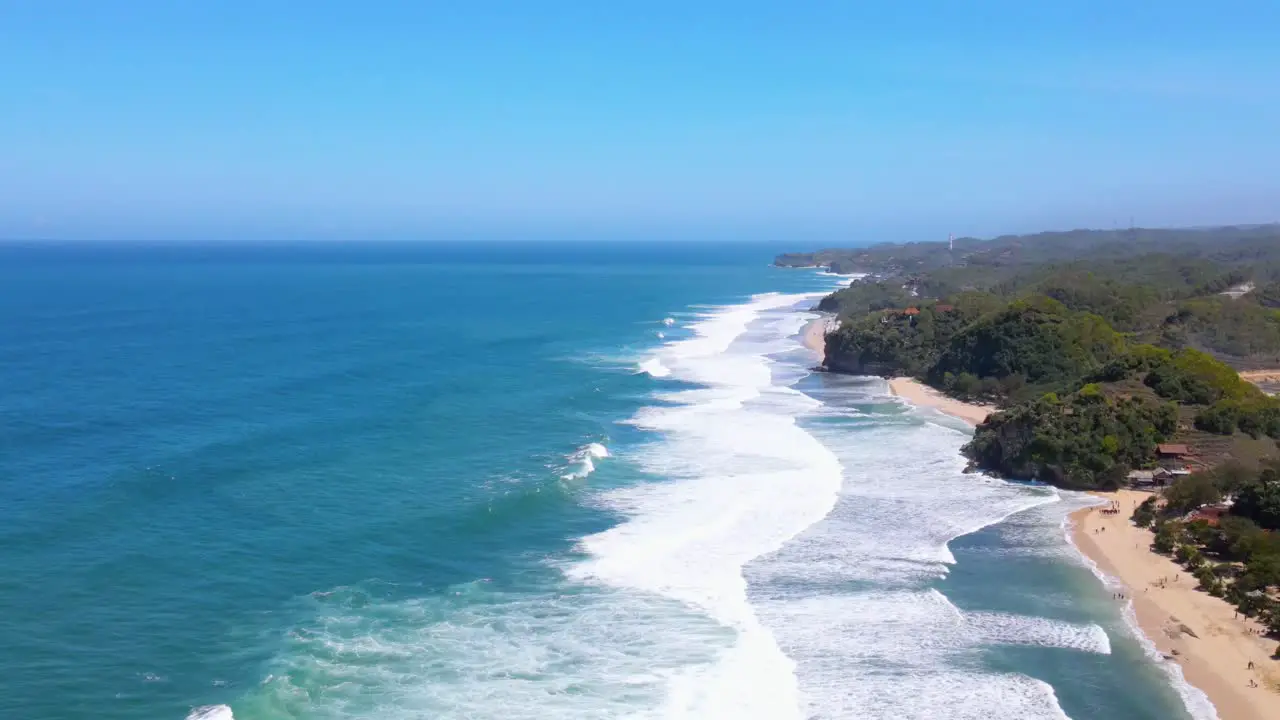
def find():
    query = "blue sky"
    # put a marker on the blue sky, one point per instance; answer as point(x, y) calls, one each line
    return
point(822, 120)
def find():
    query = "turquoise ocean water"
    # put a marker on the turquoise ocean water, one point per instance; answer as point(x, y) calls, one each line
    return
point(508, 481)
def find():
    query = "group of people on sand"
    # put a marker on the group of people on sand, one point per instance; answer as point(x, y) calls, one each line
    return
point(1112, 508)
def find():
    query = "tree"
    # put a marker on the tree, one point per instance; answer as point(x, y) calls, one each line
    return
point(1260, 572)
point(1260, 500)
point(1191, 492)
point(1110, 444)
point(1208, 581)
point(1168, 537)
point(1220, 418)
point(1237, 537)
point(1202, 532)
point(1230, 476)
point(1145, 514)
point(1189, 555)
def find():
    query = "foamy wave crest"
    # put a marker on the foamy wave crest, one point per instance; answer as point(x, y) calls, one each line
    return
point(745, 478)
point(582, 460)
point(851, 599)
point(485, 653)
point(654, 367)
point(211, 712)
point(669, 321)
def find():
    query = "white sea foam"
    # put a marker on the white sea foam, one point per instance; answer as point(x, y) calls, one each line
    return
point(669, 321)
point(654, 367)
point(1193, 698)
point(850, 600)
point(211, 712)
point(479, 652)
point(750, 484)
point(745, 478)
point(582, 461)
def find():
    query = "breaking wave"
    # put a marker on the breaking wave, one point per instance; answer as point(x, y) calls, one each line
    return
point(582, 461)
point(743, 478)
point(654, 367)
point(211, 712)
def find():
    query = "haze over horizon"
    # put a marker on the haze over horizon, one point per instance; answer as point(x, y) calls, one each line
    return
point(826, 124)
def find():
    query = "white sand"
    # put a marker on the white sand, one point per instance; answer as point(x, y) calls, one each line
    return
point(1217, 660)
point(815, 334)
point(917, 393)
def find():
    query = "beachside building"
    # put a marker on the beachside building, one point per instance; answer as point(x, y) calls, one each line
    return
point(1140, 478)
point(1211, 514)
point(1175, 457)
point(1158, 477)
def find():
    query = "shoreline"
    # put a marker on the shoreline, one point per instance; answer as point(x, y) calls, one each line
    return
point(917, 393)
point(814, 334)
point(1215, 659)
point(814, 337)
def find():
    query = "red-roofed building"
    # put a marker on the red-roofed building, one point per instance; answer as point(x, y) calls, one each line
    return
point(944, 308)
point(1210, 514)
point(911, 311)
point(1168, 450)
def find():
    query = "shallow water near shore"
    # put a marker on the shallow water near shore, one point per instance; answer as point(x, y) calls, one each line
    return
point(505, 481)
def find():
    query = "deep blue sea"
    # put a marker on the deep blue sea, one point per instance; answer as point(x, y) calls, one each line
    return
point(505, 481)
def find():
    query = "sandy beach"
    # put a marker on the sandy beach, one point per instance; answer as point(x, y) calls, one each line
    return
point(917, 393)
point(1261, 376)
point(911, 390)
point(1198, 631)
point(815, 334)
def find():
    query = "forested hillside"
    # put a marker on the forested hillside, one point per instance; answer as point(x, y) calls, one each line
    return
point(1098, 345)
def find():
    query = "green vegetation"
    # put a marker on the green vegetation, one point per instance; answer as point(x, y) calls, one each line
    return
point(899, 343)
point(1098, 345)
point(1268, 296)
point(1160, 286)
point(861, 298)
point(1197, 253)
point(1236, 557)
point(1092, 437)
point(1231, 328)
point(1029, 347)
point(1084, 440)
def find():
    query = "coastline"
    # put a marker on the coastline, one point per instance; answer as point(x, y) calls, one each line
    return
point(1215, 660)
point(917, 393)
point(814, 334)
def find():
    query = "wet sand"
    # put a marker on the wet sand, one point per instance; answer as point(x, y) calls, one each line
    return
point(1216, 659)
point(917, 393)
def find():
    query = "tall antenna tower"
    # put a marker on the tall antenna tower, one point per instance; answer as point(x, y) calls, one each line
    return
point(951, 242)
